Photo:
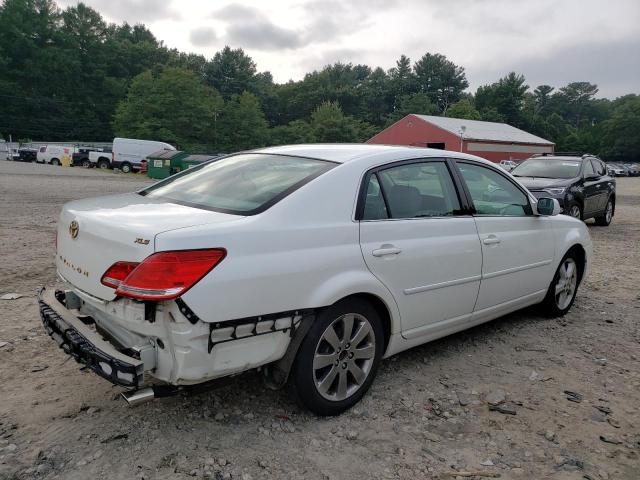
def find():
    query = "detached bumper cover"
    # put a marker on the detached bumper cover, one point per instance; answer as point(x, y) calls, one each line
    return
point(85, 345)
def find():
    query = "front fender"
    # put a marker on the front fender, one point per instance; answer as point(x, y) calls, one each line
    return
point(570, 232)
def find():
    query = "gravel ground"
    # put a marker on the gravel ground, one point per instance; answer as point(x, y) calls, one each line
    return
point(426, 416)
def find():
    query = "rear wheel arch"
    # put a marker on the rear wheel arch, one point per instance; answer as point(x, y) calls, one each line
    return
point(381, 309)
point(277, 373)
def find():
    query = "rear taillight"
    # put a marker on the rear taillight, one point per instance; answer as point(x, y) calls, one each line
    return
point(167, 275)
point(117, 272)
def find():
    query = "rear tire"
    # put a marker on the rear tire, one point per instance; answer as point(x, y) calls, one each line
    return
point(86, 164)
point(125, 167)
point(338, 358)
point(564, 287)
point(55, 161)
point(605, 219)
point(103, 164)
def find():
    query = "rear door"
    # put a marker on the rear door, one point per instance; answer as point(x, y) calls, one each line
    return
point(517, 247)
point(420, 243)
point(592, 186)
point(602, 186)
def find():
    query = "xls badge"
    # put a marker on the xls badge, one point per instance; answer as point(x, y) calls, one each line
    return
point(74, 228)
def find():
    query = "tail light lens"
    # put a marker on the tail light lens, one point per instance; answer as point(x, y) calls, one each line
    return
point(167, 275)
point(117, 272)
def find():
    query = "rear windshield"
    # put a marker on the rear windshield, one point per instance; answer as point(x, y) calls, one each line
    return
point(243, 184)
point(548, 168)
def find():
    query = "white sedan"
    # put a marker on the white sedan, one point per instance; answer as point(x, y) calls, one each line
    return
point(312, 262)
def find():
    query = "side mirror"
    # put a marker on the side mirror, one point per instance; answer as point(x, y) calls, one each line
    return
point(593, 176)
point(548, 207)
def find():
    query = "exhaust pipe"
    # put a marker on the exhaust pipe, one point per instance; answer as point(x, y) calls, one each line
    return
point(138, 397)
point(144, 395)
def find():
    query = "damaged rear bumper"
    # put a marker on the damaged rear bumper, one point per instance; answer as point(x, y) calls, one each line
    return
point(86, 345)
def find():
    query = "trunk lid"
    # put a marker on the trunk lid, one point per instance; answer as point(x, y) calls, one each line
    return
point(95, 233)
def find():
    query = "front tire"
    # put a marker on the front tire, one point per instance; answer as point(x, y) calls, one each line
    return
point(564, 287)
point(574, 210)
point(605, 219)
point(339, 357)
point(55, 161)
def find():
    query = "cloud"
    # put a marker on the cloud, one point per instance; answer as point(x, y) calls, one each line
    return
point(203, 36)
point(612, 66)
point(329, 57)
point(249, 27)
point(131, 11)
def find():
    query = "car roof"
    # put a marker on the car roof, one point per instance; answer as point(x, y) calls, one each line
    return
point(348, 152)
point(561, 157)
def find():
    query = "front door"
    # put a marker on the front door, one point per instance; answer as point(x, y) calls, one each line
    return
point(416, 241)
point(517, 246)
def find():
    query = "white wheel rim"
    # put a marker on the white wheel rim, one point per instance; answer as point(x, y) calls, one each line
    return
point(565, 287)
point(609, 213)
point(344, 357)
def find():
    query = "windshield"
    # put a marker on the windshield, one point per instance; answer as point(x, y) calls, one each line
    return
point(547, 168)
point(243, 184)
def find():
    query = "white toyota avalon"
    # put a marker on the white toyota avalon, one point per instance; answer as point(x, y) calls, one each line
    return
point(312, 262)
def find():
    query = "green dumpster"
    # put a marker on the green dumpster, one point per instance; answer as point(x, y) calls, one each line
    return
point(164, 163)
point(193, 160)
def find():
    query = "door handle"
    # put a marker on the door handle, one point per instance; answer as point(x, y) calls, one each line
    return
point(491, 240)
point(381, 252)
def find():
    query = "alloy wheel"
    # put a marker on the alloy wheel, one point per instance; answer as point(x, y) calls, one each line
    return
point(344, 357)
point(566, 284)
point(609, 212)
point(574, 211)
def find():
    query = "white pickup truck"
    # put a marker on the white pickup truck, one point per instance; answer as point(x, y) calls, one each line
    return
point(101, 159)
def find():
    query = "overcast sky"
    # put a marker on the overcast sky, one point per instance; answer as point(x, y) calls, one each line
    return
point(549, 41)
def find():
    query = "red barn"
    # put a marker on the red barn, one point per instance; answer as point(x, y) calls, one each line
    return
point(490, 140)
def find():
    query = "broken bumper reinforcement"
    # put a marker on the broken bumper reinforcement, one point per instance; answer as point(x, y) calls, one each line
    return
point(84, 344)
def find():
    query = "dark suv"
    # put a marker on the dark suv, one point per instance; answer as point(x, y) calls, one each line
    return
point(581, 184)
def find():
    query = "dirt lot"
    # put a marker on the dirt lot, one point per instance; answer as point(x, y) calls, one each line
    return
point(426, 416)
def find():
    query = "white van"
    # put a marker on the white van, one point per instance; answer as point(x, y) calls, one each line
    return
point(4, 151)
point(54, 154)
point(129, 152)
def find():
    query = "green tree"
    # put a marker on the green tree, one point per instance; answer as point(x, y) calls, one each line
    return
point(621, 139)
point(463, 109)
point(295, 132)
point(542, 94)
point(402, 80)
point(377, 97)
point(412, 103)
point(243, 124)
point(172, 105)
point(231, 72)
point(330, 124)
point(441, 79)
point(576, 101)
point(504, 99)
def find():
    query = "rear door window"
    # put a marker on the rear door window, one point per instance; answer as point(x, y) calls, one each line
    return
point(412, 190)
point(588, 169)
point(599, 167)
point(243, 184)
